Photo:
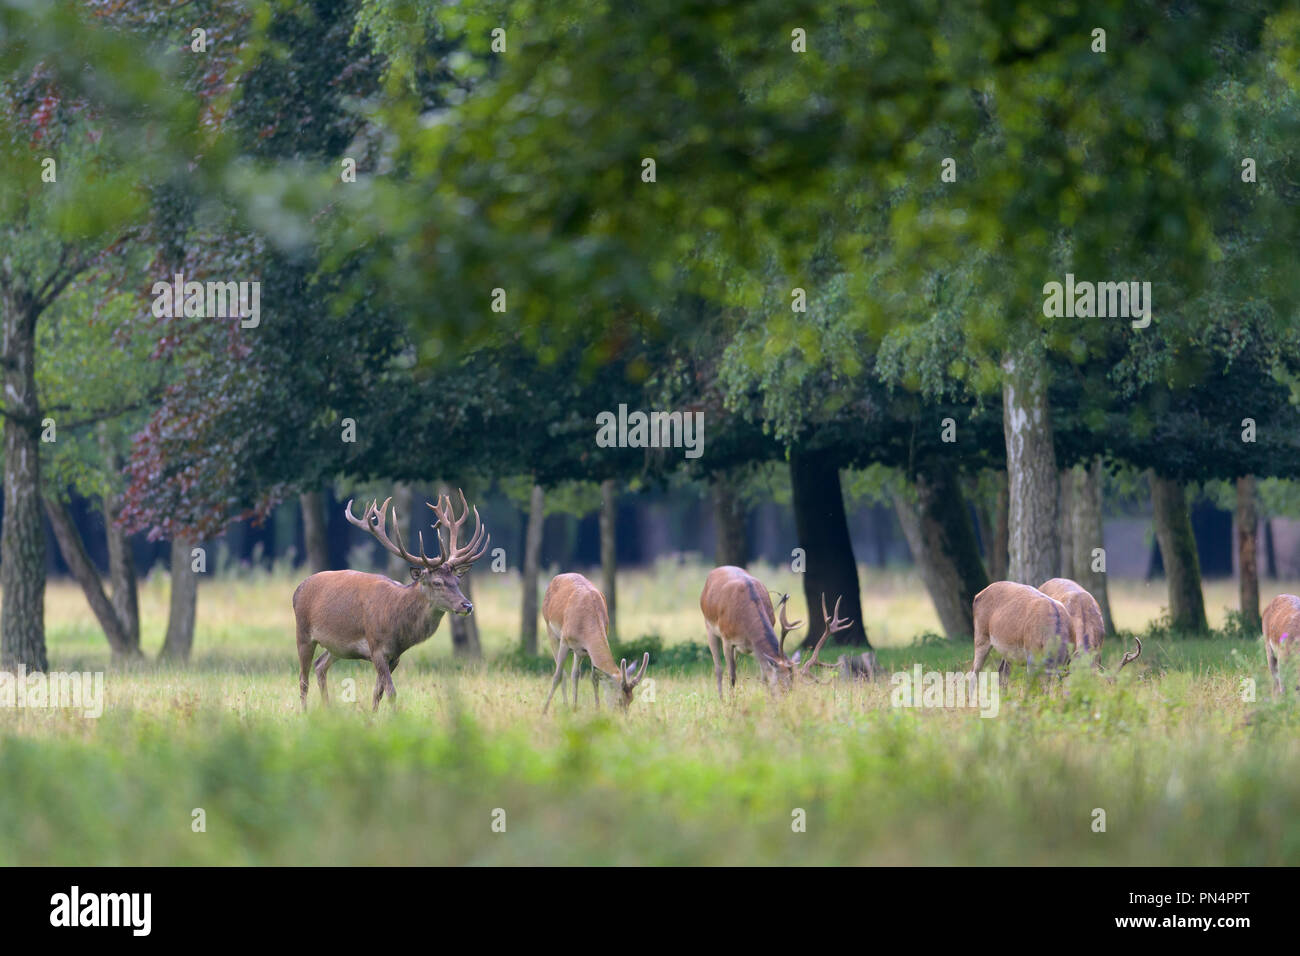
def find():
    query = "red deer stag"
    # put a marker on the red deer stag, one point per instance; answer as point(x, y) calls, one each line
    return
point(577, 621)
point(738, 616)
point(358, 616)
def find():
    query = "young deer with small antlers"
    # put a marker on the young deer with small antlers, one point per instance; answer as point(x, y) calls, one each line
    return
point(738, 616)
point(1281, 631)
point(577, 622)
point(358, 616)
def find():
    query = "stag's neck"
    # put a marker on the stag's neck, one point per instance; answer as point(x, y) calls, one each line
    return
point(762, 635)
point(421, 616)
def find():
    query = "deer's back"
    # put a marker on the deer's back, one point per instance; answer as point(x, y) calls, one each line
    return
point(1282, 616)
point(735, 603)
point(1084, 610)
point(1021, 620)
point(575, 610)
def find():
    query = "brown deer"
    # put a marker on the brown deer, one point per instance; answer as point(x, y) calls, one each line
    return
point(1090, 628)
point(738, 616)
point(1281, 631)
point(356, 616)
point(1025, 625)
point(577, 621)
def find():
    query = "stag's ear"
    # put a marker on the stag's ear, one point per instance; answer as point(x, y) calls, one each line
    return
point(797, 656)
point(416, 573)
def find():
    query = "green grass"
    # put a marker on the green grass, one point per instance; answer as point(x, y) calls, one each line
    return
point(1186, 771)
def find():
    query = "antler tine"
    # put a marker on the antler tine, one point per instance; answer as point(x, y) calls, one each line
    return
point(363, 521)
point(640, 671)
point(442, 554)
point(478, 542)
point(1129, 658)
point(786, 626)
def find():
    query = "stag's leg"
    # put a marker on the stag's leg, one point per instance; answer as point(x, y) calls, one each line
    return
point(731, 666)
point(595, 687)
point(385, 679)
point(1271, 655)
point(322, 668)
point(1004, 673)
point(982, 647)
point(555, 649)
point(558, 678)
point(577, 673)
point(716, 650)
point(306, 647)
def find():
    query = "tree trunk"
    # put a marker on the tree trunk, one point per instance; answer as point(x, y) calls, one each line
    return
point(464, 630)
point(22, 541)
point(1087, 533)
point(942, 540)
point(532, 562)
point(1173, 526)
point(1247, 543)
point(121, 562)
point(315, 542)
point(83, 570)
point(404, 502)
point(184, 603)
point(999, 562)
point(1270, 552)
point(1033, 532)
point(729, 517)
point(823, 532)
point(609, 550)
point(1065, 511)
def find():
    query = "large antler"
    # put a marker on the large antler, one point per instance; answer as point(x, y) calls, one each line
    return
point(833, 625)
point(374, 520)
point(456, 557)
point(786, 626)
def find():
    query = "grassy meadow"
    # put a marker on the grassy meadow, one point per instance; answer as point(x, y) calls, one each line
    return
point(1185, 770)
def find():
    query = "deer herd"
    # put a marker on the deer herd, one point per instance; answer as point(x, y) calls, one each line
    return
point(352, 615)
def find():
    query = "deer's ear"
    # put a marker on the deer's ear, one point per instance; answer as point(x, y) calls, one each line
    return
point(416, 573)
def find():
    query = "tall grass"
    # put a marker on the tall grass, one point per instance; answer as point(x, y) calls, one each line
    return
point(1186, 770)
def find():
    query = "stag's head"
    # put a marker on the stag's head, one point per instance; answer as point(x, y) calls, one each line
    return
point(438, 577)
point(621, 686)
point(790, 668)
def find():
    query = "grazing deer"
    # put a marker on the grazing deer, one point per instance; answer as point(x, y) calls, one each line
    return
point(577, 621)
point(1090, 628)
point(1281, 631)
point(738, 616)
point(1023, 624)
point(355, 616)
